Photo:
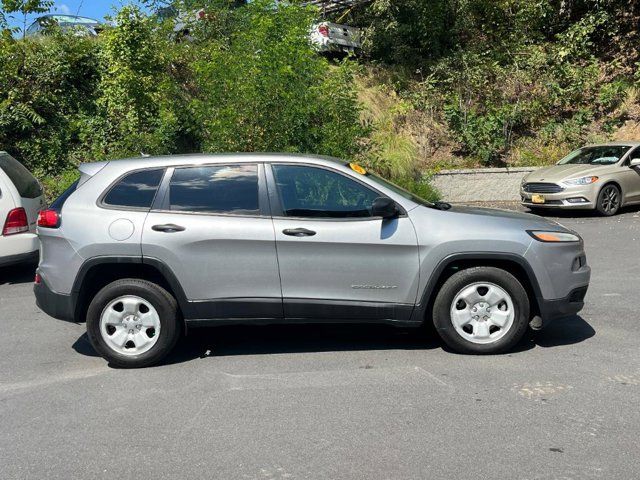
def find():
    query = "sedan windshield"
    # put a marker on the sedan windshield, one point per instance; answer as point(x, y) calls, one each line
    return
point(601, 155)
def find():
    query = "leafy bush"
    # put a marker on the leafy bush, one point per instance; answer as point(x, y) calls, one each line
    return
point(249, 81)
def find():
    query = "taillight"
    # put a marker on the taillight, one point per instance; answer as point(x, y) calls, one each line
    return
point(48, 219)
point(16, 222)
point(38, 279)
point(323, 30)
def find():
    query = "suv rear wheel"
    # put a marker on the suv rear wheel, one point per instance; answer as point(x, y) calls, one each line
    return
point(133, 323)
point(481, 310)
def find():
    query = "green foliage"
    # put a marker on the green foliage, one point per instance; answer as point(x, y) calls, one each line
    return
point(24, 7)
point(56, 184)
point(247, 81)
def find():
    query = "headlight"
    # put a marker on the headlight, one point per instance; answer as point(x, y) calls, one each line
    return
point(581, 181)
point(523, 181)
point(553, 237)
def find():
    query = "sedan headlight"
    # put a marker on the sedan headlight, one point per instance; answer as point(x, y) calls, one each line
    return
point(581, 181)
point(553, 237)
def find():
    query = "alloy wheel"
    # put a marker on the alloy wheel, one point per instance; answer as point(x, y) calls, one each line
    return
point(610, 199)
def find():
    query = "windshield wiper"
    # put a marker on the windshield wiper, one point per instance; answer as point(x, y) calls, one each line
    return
point(441, 205)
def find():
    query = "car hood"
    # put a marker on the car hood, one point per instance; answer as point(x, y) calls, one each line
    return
point(557, 173)
point(510, 218)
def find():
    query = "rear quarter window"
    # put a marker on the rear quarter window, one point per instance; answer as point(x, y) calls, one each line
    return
point(25, 183)
point(136, 190)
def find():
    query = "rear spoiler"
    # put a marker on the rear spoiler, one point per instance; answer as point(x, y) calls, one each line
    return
point(88, 170)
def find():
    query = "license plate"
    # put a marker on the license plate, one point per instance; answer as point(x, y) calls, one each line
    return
point(537, 198)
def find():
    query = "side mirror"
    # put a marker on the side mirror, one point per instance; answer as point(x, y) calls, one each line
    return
point(634, 162)
point(384, 207)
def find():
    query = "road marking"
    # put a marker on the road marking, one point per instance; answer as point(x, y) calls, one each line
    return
point(413, 375)
point(45, 382)
point(626, 379)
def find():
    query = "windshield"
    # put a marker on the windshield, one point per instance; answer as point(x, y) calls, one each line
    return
point(602, 155)
point(399, 190)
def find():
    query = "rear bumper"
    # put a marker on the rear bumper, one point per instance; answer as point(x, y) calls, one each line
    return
point(19, 248)
point(551, 310)
point(29, 257)
point(56, 305)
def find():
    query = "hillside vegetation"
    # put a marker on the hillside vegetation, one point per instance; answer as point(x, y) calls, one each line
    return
point(503, 82)
point(443, 83)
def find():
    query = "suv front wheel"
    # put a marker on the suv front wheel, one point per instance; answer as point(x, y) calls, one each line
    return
point(481, 310)
point(133, 323)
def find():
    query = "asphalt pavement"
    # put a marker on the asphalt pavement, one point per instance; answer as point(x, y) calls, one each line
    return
point(334, 402)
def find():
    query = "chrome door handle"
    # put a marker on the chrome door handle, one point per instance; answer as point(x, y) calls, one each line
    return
point(298, 232)
point(168, 228)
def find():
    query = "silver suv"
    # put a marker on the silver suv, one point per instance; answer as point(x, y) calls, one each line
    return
point(146, 249)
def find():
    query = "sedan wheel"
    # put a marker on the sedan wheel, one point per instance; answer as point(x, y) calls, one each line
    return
point(609, 200)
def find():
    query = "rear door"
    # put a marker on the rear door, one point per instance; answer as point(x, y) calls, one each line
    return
point(29, 190)
point(212, 229)
point(336, 260)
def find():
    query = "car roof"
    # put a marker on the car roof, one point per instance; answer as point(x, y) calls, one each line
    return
point(50, 15)
point(200, 159)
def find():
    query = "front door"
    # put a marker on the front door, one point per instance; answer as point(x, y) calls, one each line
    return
point(336, 260)
point(212, 231)
point(630, 178)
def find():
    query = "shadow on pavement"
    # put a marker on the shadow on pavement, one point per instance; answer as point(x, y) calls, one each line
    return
point(17, 274)
point(279, 339)
point(566, 331)
point(559, 213)
point(83, 346)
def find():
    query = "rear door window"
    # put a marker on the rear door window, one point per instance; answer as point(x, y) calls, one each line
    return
point(215, 189)
point(136, 190)
point(25, 183)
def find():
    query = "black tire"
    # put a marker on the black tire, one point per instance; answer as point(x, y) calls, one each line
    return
point(609, 200)
point(166, 307)
point(458, 281)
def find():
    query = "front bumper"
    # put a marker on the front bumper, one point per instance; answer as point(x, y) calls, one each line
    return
point(575, 197)
point(56, 305)
point(551, 310)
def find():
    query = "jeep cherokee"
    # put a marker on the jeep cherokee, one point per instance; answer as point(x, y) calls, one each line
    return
point(145, 248)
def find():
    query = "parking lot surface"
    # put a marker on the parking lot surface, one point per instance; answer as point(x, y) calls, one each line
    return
point(334, 402)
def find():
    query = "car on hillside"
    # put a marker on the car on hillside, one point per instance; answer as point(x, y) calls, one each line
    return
point(83, 26)
point(601, 177)
point(328, 37)
point(325, 37)
point(145, 249)
point(21, 198)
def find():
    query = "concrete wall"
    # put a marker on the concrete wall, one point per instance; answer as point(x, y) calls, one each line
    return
point(480, 184)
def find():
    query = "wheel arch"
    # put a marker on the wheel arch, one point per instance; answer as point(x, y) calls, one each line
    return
point(97, 272)
point(515, 264)
point(616, 184)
